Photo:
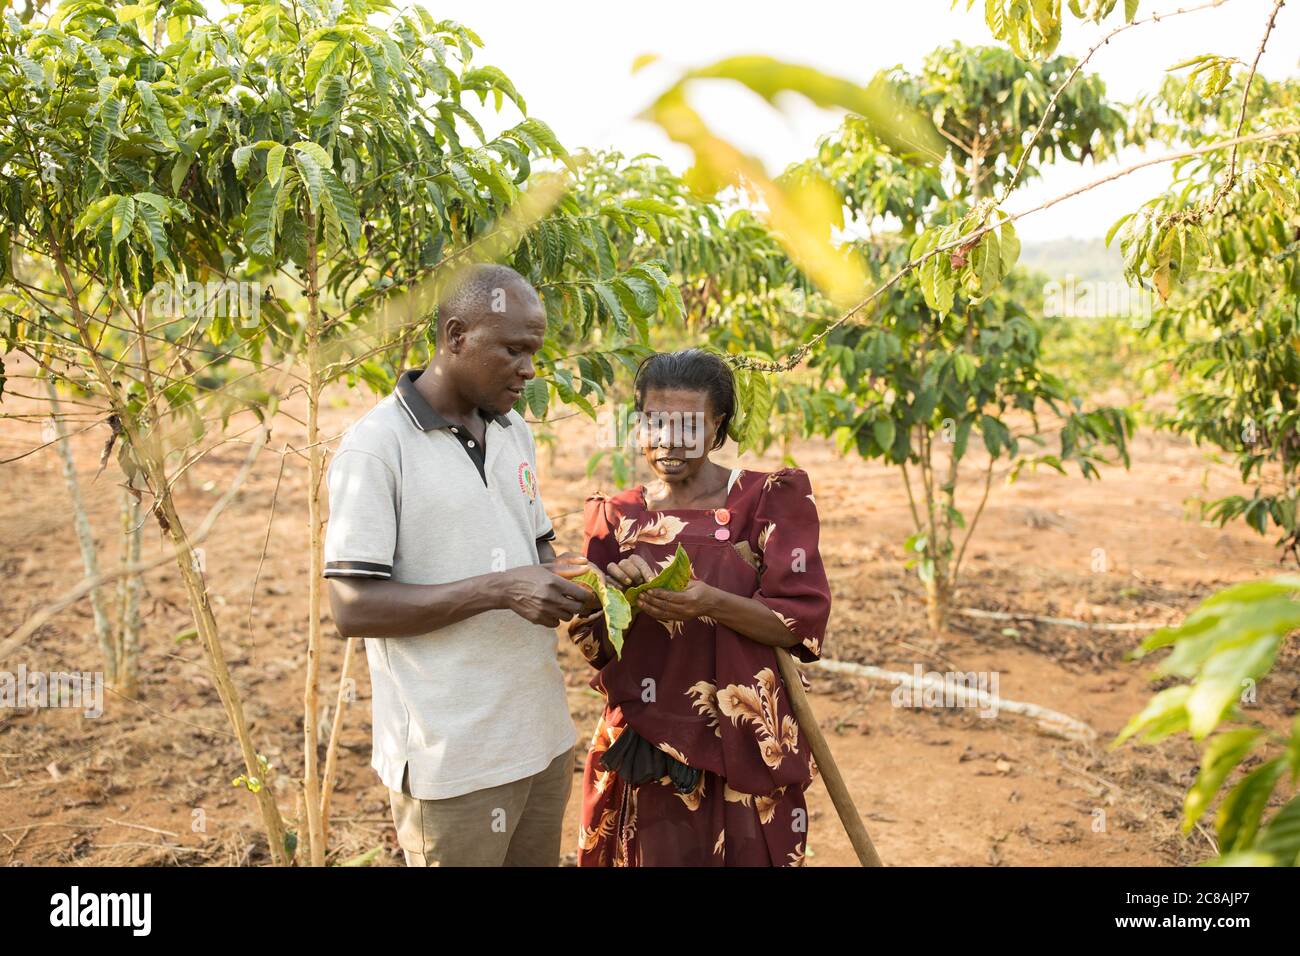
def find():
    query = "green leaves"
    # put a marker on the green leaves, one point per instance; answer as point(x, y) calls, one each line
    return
point(613, 306)
point(1224, 647)
point(325, 57)
point(325, 192)
point(311, 171)
point(123, 218)
point(1281, 186)
point(315, 152)
point(801, 210)
point(540, 138)
point(1222, 753)
point(1238, 818)
point(1008, 249)
point(1218, 248)
point(620, 607)
point(976, 266)
point(883, 431)
point(365, 858)
point(562, 381)
point(485, 80)
point(94, 215)
point(1032, 28)
point(879, 102)
point(1280, 839)
point(935, 274)
point(617, 611)
point(754, 400)
point(275, 162)
point(997, 437)
point(153, 112)
point(674, 577)
point(243, 154)
point(331, 94)
point(259, 220)
point(30, 70)
point(340, 210)
point(152, 218)
point(536, 397)
point(1213, 72)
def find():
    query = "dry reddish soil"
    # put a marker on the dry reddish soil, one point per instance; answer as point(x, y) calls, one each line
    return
point(935, 785)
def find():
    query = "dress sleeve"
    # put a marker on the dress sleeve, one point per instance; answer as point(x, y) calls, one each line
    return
point(600, 547)
point(792, 580)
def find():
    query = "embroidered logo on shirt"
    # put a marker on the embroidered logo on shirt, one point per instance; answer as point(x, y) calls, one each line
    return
point(527, 481)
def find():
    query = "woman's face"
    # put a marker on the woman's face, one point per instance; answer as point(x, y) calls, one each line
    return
point(675, 432)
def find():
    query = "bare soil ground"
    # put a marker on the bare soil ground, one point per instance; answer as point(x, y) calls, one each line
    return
point(149, 782)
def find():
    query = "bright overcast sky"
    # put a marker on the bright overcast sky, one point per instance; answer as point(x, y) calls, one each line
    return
point(572, 61)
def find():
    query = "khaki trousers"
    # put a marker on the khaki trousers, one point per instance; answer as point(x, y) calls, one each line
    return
point(515, 824)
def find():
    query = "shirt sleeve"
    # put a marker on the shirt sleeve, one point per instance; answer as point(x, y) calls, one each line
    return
point(792, 579)
point(361, 536)
point(600, 547)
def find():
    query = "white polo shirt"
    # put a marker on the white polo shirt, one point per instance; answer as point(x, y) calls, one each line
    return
point(481, 702)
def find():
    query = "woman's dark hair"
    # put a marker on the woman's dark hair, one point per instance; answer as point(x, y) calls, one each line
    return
point(693, 370)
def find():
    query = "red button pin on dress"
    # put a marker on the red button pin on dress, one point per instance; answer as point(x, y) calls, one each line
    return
point(722, 516)
point(722, 534)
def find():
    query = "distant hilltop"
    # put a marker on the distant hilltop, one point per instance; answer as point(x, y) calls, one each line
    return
point(1088, 260)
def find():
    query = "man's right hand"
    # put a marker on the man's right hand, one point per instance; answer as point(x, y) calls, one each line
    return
point(539, 595)
point(570, 565)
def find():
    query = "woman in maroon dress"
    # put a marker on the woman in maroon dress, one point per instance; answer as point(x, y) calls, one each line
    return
point(697, 759)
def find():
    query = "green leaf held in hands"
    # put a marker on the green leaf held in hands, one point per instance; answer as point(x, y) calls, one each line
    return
point(620, 606)
point(618, 613)
point(674, 577)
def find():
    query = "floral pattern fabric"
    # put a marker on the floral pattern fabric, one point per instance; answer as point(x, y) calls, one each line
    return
point(706, 695)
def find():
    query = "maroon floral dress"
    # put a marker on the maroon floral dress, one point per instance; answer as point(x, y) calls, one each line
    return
point(701, 692)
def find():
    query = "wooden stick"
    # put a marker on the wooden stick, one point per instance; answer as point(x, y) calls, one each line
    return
point(1051, 720)
point(830, 771)
point(332, 750)
point(141, 826)
point(1061, 621)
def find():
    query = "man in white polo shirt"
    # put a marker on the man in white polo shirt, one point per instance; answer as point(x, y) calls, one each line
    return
point(439, 553)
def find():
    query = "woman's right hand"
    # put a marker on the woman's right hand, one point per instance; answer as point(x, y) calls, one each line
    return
point(631, 571)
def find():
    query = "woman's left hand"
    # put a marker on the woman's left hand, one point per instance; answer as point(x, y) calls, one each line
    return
point(687, 605)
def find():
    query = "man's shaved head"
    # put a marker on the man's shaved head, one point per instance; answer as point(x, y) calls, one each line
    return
point(490, 325)
point(480, 290)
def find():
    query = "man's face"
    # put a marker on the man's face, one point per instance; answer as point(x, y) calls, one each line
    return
point(492, 352)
